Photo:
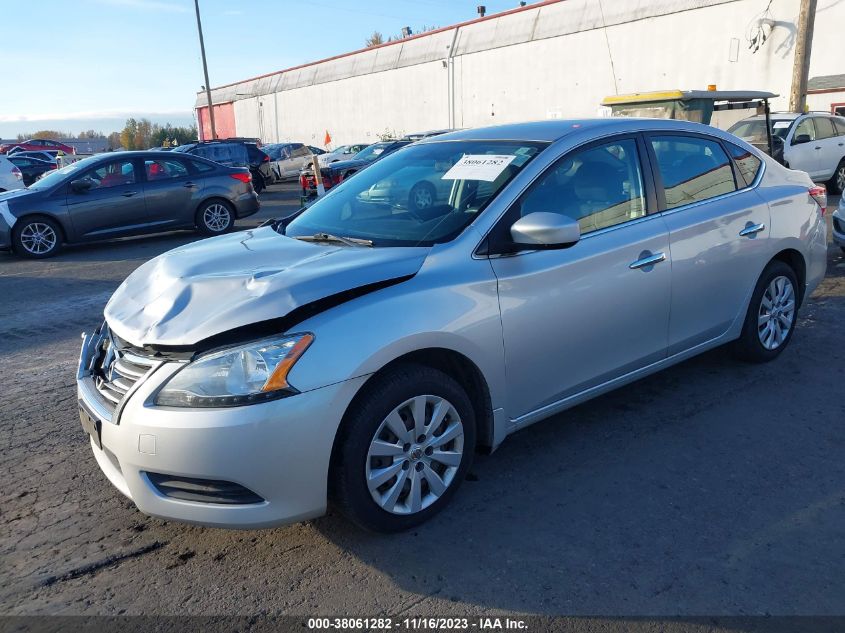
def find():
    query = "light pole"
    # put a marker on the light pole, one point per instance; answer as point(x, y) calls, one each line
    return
point(205, 72)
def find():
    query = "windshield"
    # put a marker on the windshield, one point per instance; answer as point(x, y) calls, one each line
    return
point(372, 152)
point(55, 177)
point(754, 131)
point(419, 196)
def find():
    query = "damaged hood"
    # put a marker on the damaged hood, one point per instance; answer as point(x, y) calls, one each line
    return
point(209, 287)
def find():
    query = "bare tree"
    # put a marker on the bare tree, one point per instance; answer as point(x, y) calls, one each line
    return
point(374, 40)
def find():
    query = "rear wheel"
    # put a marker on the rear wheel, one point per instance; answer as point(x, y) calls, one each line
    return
point(37, 238)
point(837, 183)
point(215, 217)
point(258, 183)
point(421, 196)
point(772, 313)
point(405, 446)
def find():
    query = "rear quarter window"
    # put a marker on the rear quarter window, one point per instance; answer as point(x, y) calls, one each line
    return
point(748, 164)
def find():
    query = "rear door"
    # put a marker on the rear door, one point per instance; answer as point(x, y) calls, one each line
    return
point(171, 191)
point(301, 156)
point(830, 146)
point(114, 204)
point(718, 230)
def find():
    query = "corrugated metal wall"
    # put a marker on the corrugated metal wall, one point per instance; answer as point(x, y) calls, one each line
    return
point(555, 59)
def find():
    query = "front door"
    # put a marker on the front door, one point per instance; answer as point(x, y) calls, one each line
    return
point(578, 317)
point(113, 205)
point(803, 151)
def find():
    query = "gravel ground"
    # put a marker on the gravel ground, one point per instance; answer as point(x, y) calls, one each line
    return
point(711, 488)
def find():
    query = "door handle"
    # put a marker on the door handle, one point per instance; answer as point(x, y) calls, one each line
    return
point(818, 147)
point(648, 259)
point(189, 185)
point(752, 229)
point(129, 194)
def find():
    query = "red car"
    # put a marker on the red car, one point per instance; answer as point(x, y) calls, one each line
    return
point(38, 144)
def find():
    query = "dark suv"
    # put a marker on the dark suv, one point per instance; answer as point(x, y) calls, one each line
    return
point(235, 153)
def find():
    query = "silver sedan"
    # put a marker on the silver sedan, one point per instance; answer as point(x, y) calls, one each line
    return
point(362, 351)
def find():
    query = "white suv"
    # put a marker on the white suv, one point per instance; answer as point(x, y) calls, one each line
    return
point(813, 142)
point(10, 176)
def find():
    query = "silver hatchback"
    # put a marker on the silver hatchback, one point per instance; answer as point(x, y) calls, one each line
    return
point(363, 350)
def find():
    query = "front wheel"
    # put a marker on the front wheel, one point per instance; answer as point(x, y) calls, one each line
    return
point(403, 449)
point(37, 238)
point(772, 313)
point(215, 217)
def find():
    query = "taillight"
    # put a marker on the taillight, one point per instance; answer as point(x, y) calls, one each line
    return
point(819, 194)
point(303, 181)
point(17, 173)
point(243, 177)
point(266, 159)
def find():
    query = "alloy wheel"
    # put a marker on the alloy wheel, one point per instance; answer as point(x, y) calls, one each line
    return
point(777, 313)
point(423, 198)
point(38, 238)
point(415, 454)
point(840, 178)
point(216, 217)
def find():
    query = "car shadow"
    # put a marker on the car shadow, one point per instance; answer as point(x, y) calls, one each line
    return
point(670, 495)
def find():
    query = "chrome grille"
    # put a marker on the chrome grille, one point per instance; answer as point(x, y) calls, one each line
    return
point(117, 368)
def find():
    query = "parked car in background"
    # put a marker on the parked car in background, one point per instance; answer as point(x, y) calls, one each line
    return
point(316, 150)
point(38, 144)
point(288, 159)
point(344, 152)
point(48, 155)
point(120, 194)
point(360, 354)
point(335, 173)
point(418, 136)
point(10, 175)
point(31, 168)
point(235, 153)
point(812, 142)
point(839, 224)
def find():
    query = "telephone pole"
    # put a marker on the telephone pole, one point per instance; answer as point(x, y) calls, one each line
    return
point(205, 72)
point(803, 47)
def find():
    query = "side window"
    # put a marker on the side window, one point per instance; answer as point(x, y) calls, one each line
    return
point(202, 167)
point(301, 152)
point(839, 124)
point(805, 128)
point(747, 162)
point(112, 175)
point(824, 127)
point(692, 168)
point(165, 169)
point(599, 187)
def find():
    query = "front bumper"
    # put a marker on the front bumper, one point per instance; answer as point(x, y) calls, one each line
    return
point(839, 224)
point(279, 450)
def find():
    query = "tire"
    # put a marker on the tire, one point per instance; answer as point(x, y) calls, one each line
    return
point(422, 196)
point(768, 328)
point(215, 217)
point(407, 464)
point(37, 238)
point(836, 184)
point(258, 183)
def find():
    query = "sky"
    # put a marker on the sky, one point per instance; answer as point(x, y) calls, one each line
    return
point(90, 64)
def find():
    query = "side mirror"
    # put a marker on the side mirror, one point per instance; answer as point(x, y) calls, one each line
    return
point(545, 230)
point(801, 138)
point(82, 185)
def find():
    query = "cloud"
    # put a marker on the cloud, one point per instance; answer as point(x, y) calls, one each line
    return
point(91, 114)
point(147, 5)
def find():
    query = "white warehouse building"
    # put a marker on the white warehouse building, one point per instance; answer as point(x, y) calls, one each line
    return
point(550, 59)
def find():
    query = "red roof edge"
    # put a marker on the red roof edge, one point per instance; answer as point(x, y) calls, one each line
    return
point(459, 25)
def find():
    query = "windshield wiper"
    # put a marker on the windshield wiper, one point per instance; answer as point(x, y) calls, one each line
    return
point(328, 237)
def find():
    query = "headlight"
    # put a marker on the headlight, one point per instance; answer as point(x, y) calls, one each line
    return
point(248, 374)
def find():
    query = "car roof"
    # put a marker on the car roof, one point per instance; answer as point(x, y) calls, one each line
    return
point(554, 130)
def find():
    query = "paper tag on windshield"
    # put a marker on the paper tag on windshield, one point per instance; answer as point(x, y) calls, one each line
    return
point(780, 124)
point(486, 167)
